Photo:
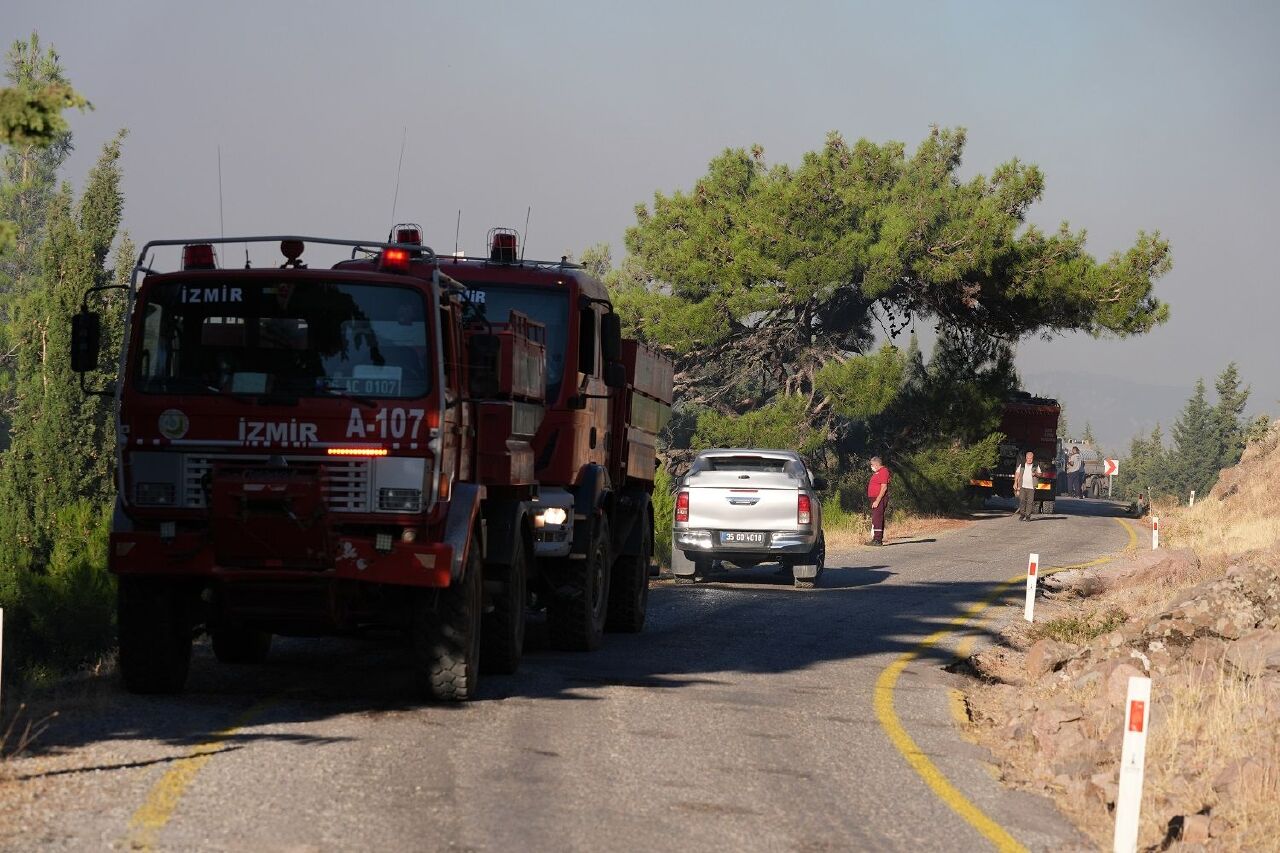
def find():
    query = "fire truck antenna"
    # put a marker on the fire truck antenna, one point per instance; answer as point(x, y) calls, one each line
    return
point(457, 231)
point(222, 231)
point(525, 239)
point(395, 198)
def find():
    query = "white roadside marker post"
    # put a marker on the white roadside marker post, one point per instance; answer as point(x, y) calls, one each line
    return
point(1137, 715)
point(1032, 565)
point(1155, 532)
point(1193, 498)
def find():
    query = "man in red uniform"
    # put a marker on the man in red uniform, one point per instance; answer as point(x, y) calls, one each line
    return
point(878, 491)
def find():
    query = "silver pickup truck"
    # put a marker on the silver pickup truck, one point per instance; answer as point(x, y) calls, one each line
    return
point(748, 507)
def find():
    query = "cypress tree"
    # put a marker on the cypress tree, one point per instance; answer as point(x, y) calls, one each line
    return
point(62, 441)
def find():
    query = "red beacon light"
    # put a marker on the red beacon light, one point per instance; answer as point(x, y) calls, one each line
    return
point(394, 260)
point(410, 233)
point(503, 246)
point(198, 256)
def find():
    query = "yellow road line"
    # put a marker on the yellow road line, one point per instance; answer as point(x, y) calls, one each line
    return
point(887, 682)
point(152, 815)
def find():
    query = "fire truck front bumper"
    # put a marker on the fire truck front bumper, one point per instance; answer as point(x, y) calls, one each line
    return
point(192, 555)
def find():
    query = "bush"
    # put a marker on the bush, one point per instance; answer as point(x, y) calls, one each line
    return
point(664, 505)
point(935, 479)
point(64, 616)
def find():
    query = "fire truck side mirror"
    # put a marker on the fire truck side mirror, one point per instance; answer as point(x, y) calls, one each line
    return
point(615, 375)
point(611, 337)
point(86, 341)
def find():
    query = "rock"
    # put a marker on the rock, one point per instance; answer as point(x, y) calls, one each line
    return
point(1195, 829)
point(1206, 651)
point(1104, 786)
point(1045, 655)
point(1256, 652)
point(1243, 773)
point(1147, 567)
point(1117, 685)
point(1218, 827)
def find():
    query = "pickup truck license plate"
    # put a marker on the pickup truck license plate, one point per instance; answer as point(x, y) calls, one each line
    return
point(738, 537)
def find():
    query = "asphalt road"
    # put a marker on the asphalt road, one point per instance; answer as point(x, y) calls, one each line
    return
point(741, 719)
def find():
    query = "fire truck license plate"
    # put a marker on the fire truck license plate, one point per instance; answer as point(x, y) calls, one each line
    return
point(736, 537)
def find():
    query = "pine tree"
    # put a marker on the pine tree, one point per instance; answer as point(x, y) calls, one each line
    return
point(1197, 446)
point(62, 441)
point(1088, 438)
point(1229, 414)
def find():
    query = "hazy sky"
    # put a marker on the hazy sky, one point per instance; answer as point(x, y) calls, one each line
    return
point(1142, 115)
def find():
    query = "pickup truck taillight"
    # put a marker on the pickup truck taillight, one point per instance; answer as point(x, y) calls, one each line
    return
point(804, 510)
point(682, 506)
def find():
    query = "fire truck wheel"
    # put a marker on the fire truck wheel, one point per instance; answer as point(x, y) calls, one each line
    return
point(446, 635)
point(1047, 507)
point(629, 588)
point(575, 622)
point(155, 636)
point(502, 628)
point(241, 645)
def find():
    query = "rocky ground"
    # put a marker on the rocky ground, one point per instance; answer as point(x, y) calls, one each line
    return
point(1048, 698)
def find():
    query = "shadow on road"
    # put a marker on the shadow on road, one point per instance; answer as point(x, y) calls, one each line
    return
point(704, 637)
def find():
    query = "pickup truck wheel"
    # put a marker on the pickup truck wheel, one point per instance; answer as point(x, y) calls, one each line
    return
point(502, 628)
point(629, 588)
point(816, 558)
point(446, 635)
point(240, 645)
point(575, 622)
point(155, 636)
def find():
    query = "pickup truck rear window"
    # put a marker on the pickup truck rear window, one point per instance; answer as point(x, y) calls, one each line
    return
point(762, 464)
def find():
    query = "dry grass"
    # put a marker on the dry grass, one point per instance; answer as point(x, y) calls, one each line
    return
point(1207, 718)
point(848, 531)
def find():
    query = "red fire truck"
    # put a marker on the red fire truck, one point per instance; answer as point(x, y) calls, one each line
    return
point(1028, 423)
point(595, 451)
point(306, 451)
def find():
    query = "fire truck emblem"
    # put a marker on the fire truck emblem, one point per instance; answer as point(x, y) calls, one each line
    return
point(173, 424)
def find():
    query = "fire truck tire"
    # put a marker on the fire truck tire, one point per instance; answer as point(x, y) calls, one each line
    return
point(155, 636)
point(629, 587)
point(446, 635)
point(575, 622)
point(1047, 507)
point(502, 627)
point(241, 645)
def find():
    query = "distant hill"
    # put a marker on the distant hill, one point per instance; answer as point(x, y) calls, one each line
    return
point(1116, 407)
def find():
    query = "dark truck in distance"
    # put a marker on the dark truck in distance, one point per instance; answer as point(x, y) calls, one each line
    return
point(1028, 423)
point(320, 451)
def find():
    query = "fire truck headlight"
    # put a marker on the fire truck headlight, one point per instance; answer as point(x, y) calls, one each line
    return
point(554, 515)
point(399, 500)
point(154, 494)
point(398, 483)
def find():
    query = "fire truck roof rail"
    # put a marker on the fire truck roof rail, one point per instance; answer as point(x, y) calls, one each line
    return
point(562, 264)
point(428, 254)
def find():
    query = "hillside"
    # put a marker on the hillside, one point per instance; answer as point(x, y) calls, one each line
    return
point(1201, 618)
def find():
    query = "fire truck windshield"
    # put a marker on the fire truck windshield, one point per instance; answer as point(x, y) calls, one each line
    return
point(284, 338)
point(495, 303)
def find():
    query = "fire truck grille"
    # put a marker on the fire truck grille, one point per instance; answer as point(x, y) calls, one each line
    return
point(346, 484)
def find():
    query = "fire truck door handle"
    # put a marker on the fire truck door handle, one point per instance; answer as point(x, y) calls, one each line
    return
point(593, 438)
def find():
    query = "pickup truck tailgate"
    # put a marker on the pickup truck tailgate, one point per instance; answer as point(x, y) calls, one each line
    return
point(732, 500)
